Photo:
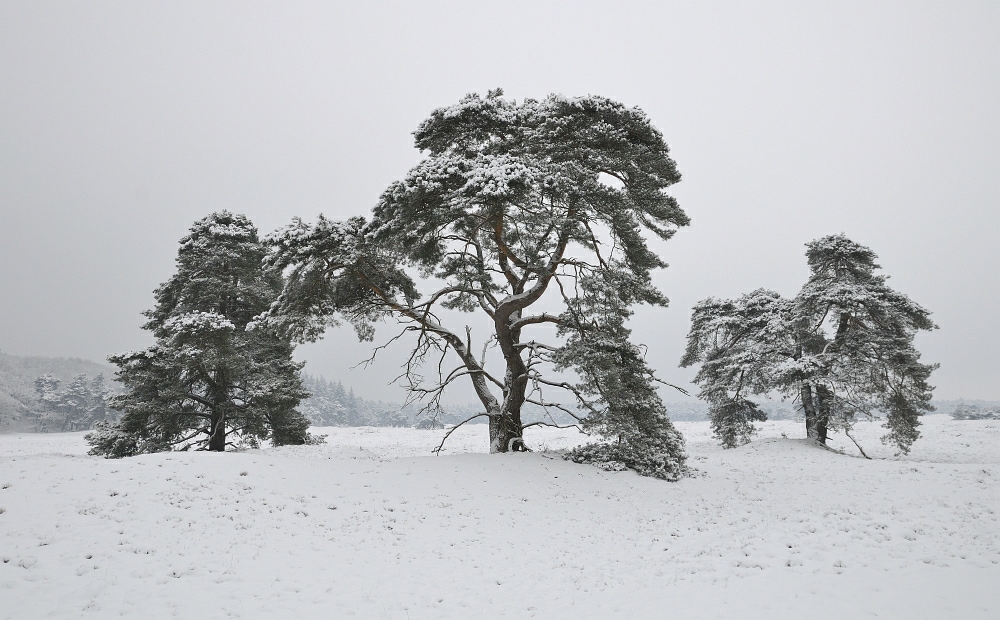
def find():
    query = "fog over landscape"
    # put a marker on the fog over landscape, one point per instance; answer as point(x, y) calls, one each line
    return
point(204, 206)
point(122, 123)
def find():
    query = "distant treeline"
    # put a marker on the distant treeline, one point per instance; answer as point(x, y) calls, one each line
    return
point(776, 410)
point(22, 406)
point(978, 410)
point(331, 404)
point(59, 394)
point(968, 409)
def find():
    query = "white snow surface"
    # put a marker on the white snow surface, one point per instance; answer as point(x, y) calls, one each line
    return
point(371, 525)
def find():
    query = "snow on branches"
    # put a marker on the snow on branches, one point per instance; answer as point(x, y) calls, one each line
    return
point(209, 382)
point(507, 208)
point(843, 347)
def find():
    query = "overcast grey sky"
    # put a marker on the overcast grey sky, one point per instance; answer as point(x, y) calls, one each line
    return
point(123, 122)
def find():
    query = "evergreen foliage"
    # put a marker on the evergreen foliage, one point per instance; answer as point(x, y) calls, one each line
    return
point(843, 347)
point(82, 404)
point(208, 381)
point(329, 404)
point(512, 204)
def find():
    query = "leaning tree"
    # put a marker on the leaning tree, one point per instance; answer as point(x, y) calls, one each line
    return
point(209, 382)
point(532, 214)
point(843, 348)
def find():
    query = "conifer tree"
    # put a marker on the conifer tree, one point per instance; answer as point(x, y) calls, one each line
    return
point(208, 381)
point(843, 348)
point(516, 207)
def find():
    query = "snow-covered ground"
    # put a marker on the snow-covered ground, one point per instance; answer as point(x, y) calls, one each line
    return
point(371, 526)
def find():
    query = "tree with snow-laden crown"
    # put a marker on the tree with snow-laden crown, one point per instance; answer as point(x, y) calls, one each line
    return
point(208, 381)
point(531, 214)
point(843, 348)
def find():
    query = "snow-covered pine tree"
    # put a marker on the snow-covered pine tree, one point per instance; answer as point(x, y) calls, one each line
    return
point(208, 381)
point(739, 343)
point(98, 407)
point(843, 347)
point(516, 207)
point(47, 388)
point(74, 404)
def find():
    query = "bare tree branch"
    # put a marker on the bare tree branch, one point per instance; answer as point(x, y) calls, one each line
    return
point(438, 449)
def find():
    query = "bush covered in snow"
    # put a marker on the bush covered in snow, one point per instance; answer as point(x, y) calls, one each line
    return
point(658, 457)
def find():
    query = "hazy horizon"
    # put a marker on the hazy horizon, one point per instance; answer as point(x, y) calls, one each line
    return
point(121, 124)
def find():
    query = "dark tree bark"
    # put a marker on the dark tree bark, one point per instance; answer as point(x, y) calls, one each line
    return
point(217, 439)
point(809, 407)
point(824, 399)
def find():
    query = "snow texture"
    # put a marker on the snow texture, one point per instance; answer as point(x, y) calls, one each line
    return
point(369, 526)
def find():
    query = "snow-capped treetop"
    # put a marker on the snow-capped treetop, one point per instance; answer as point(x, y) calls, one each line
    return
point(218, 271)
point(199, 321)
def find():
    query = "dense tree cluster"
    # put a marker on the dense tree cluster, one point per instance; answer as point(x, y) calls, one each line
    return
point(79, 406)
point(843, 348)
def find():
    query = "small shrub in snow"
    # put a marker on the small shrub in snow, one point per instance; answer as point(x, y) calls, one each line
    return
point(111, 441)
point(732, 421)
point(429, 424)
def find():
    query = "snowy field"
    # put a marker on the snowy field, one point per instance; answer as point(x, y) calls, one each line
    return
point(371, 526)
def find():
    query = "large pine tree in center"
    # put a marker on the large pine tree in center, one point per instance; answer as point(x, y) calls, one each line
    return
point(531, 215)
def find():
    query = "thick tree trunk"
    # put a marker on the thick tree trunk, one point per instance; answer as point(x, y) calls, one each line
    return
point(809, 407)
point(506, 428)
point(506, 433)
point(217, 439)
point(218, 395)
point(824, 399)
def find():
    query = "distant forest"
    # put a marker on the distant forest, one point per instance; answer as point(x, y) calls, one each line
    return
point(56, 394)
point(21, 407)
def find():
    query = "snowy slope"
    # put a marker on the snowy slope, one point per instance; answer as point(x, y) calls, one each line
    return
point(369, 526)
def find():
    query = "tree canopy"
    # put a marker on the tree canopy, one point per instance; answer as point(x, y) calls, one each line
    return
point(533, 213)
point(208, 381)
point(843, 347)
